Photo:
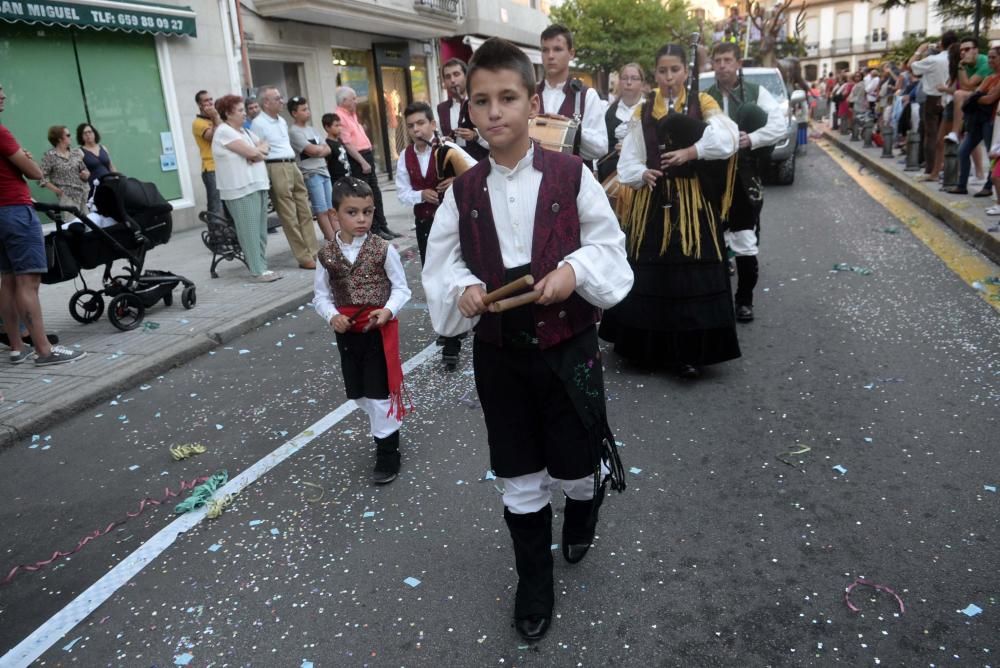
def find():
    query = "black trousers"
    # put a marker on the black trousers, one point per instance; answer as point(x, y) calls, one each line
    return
point(371, 178)
point(423, 233)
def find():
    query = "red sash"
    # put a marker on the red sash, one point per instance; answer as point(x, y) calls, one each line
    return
point(398, 395)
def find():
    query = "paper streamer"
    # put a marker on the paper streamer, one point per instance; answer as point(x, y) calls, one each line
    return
point(861, 582)
point(97, 533)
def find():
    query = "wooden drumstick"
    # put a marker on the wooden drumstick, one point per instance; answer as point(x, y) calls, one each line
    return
point(514, 302)
point(522, 283)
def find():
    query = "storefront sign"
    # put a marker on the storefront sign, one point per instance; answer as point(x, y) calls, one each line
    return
point(102, 15)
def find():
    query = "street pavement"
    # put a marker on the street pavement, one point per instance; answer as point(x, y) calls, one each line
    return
point(732, 546)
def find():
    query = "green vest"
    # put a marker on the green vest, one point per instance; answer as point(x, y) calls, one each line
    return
point(750, 95)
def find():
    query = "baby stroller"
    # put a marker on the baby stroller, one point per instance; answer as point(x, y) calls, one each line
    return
point(140, 220)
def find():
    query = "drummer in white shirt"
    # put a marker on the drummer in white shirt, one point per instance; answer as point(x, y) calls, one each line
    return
point(558, 94)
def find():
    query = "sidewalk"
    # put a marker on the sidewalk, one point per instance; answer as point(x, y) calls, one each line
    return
point(965, 214)
point(32, 398)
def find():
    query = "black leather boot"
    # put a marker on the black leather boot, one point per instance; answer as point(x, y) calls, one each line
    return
point(747, 272)
point(532, 537)
point(386, 459)
point(579, 526)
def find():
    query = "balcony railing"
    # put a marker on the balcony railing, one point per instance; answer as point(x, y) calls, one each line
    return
point(812, 49)
point(842, 45)
point(448, 8)
point(876, 44)
point(914, 33)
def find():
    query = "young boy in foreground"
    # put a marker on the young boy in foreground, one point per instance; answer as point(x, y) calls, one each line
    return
point(359, 288)
point(537, 367)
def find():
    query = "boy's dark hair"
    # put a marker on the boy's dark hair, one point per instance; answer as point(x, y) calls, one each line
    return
point(348, 186)
point(948, 39)
point(295, 103)
point(329, 119)
point(726, 47)
point(555, 30)
point(417, 108)
point(452, 63)
point(498, 54)
point(197, 96)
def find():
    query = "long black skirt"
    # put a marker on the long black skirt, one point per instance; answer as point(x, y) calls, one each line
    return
point(680, 308)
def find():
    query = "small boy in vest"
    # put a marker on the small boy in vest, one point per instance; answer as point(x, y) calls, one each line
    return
point(360, 286)
point(425, 170)
point(538, 369)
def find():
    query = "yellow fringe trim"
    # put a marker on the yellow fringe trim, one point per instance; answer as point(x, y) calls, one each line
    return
point(727, 196)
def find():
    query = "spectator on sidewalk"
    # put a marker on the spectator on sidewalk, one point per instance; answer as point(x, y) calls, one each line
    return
point(288, 188)
point(933, 68)
point(63, 170)
point(359, 152)
point(243, 183)
point(22, 257)
point(973, 68)
point(979, 127)
point(947, 115)
point(203, 128)
point(337, 162)
point(253, 111)
point(842, 108)
point(95, 155)
point(311, 152)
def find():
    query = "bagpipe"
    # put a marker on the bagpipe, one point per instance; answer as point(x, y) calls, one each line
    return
point(447, 162)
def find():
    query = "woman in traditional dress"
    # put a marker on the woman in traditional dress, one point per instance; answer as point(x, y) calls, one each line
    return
point(680, 310)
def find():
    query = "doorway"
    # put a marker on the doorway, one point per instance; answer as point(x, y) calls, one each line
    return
point(392, 78)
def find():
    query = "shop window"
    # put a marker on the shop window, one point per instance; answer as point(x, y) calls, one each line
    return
point(286, 77)
point(110, 80)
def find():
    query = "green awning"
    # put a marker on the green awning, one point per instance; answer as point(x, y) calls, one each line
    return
point(141, 17)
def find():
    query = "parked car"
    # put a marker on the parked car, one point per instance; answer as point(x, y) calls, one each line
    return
point(781, 169)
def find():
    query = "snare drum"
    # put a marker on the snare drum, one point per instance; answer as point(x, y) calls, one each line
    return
point(619, 196)
point(553, 132)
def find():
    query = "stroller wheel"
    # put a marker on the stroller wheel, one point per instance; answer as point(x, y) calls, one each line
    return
point(126, 311)
point(86, 306)
point(188, 297)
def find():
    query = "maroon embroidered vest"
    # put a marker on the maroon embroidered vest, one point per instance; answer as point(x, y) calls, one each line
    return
point(568, 106)
point(444, 117)
point(362, 283)
point(556, 235)
point(424, 210)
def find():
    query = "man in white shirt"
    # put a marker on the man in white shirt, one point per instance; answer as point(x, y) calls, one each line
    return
point(425, 171)
point(453, 113)
point(570, 98)
point(288, 188)
point(735, 95)
point(933, 71)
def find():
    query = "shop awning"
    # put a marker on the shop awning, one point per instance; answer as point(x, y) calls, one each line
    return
point(136, 17)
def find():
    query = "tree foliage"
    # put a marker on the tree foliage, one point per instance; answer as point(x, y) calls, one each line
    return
point(954, 10)
point(609, 33)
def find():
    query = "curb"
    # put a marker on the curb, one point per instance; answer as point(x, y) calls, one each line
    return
point(36, 419)
point(966, 227)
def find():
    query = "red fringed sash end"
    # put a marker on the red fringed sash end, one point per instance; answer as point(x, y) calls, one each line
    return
point(400, 401)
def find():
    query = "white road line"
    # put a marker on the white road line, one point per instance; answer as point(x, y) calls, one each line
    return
point(61, 623)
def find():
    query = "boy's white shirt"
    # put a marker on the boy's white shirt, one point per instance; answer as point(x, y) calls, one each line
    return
point(603, 275)
point(404, 187)
point(323, 300)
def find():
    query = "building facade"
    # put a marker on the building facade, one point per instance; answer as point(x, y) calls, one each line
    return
point(845, 35)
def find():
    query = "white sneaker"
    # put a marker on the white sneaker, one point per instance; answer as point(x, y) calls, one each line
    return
point(267, 277)
point(952, 137)
point(993, 210)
